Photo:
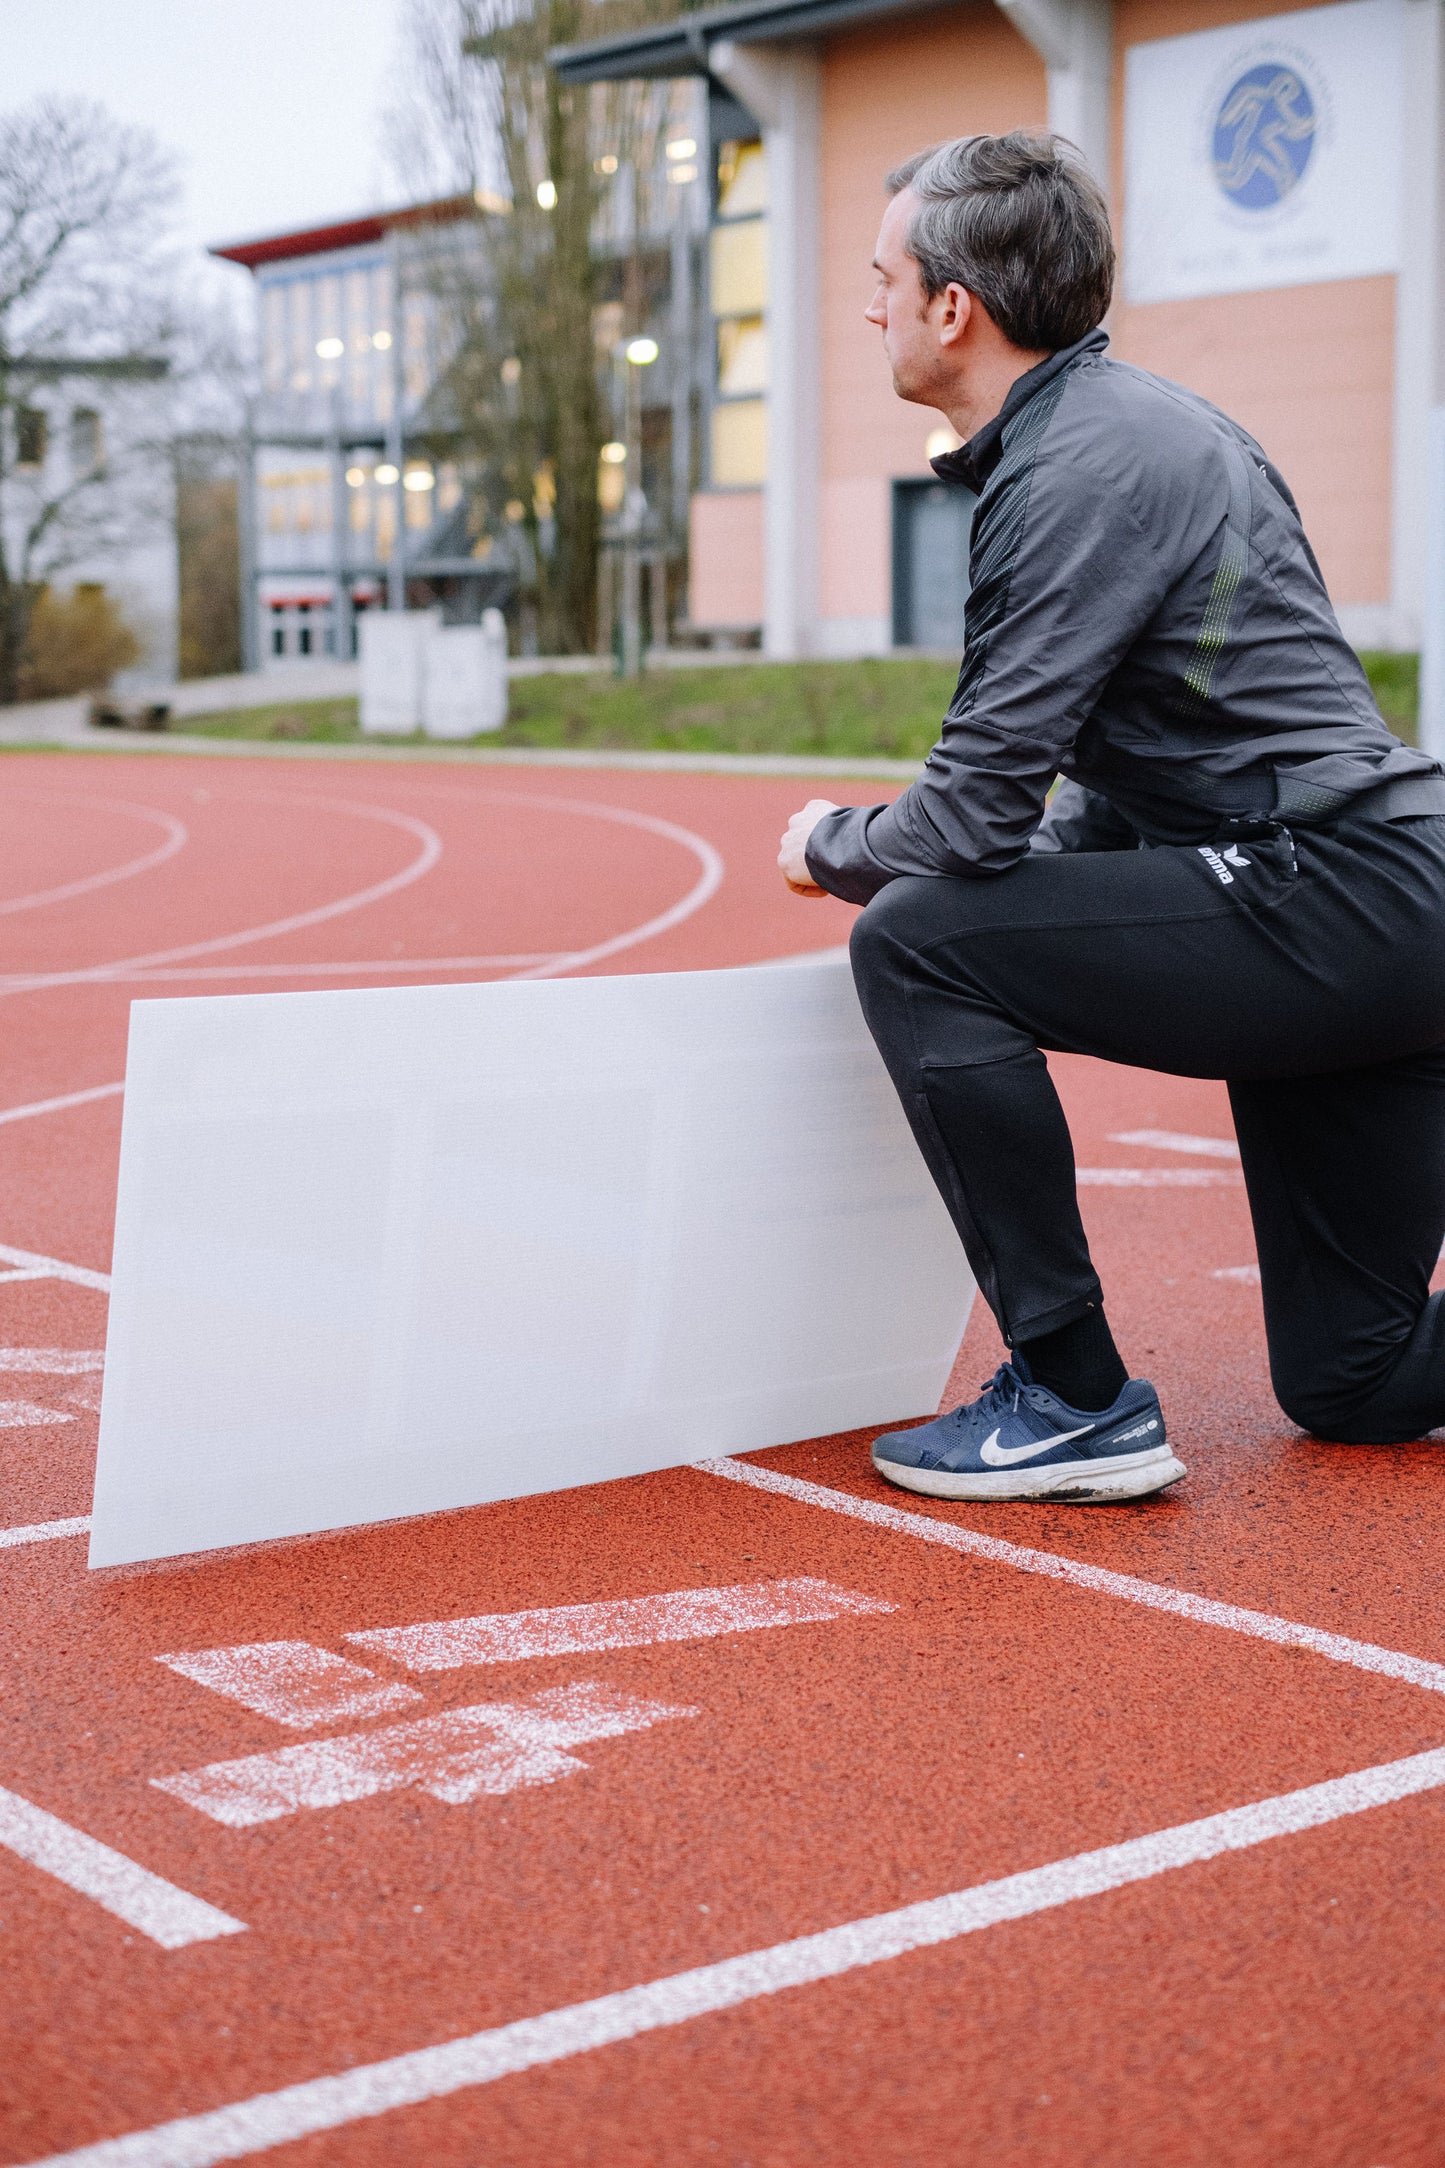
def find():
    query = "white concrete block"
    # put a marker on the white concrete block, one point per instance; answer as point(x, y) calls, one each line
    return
point(385, 1252)
point(465, 689)
point(392, 645)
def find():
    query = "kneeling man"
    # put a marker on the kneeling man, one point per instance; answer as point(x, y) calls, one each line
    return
point(1242, 874)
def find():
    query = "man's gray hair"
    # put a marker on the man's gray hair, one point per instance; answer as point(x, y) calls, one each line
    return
point(1019, 221)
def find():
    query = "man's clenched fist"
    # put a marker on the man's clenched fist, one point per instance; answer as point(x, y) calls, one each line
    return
point(792, 858)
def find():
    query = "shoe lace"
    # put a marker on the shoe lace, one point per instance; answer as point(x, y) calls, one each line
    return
point(999, 1397)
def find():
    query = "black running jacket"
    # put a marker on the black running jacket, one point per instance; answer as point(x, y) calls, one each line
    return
point(1145, 618)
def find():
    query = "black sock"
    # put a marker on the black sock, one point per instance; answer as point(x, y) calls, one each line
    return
point(1079, 1362)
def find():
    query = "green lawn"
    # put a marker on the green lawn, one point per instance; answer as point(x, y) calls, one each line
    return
point(886, 709)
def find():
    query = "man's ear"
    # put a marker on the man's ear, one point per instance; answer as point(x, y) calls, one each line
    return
point(956, 308)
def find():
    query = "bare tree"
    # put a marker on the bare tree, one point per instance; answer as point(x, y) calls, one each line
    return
point(85, 296)
point(542, 159)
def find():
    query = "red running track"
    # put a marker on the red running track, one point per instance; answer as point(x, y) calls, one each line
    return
point(1265, 1991)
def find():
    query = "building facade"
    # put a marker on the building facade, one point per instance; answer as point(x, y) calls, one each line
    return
point(88, 496)
point(341, 509)
point(1275, 179)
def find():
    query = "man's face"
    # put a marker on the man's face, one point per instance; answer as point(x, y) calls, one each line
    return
point(903, 312)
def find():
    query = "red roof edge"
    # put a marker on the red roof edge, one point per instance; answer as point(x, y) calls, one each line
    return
point(351, 233)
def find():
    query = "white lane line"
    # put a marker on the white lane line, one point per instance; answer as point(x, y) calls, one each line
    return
point(460, 1756)
point(1157, 1178)
point(127, 966)
point(246, 2127)
point(687, 1614)
point(294, 1682)
point(177, 837)
point(58, 1362)
point(707, 884)
point(386, 966)
point(1202, 1610)
point(43, 1532)
point(1245, 1275)
point(35, 1267)
point(1174, 1140)
point(57, 1106)
point(27, 1414)
point(169, 1916)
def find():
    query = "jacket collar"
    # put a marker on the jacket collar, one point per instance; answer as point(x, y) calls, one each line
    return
point(974, 462)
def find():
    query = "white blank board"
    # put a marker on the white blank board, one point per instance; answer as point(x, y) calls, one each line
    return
point(381, 1253)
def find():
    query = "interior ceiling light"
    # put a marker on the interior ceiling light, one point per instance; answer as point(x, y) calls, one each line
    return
point(511, 370)
point(330, 349)
point(682, 173)
point(381, 340)
point(386, 474)
point(547, 195)
point(605, 164)
point(356, 477)
point(419, 478)
point(682, 147)
point(641, 352)
point(614, 454)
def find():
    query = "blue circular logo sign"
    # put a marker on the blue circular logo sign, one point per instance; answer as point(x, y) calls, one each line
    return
point(1264, 135)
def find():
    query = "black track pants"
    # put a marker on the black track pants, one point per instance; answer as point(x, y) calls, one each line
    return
point(1313, 979)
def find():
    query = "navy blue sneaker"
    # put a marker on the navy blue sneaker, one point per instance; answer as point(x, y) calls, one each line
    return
point(1021, 1441)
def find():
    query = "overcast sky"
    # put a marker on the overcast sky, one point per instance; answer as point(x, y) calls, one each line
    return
point(271, 106)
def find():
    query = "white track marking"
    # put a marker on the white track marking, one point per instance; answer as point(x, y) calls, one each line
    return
point(35, 1267)
point(1172, 1140)
point(1202, 1610)
point(293, 1681)
point(386, 966)
point(247, 2127)
point(177, 837)
point(465, 1754)
point(689, 1614)
point(1245, 1275)
point(43, 1532)
point(57, 1106)
point(57, 1362)
point(27, 1414)
point(169, 1916)
point(707, 884)
point(1157, 1178)
point(128, 966)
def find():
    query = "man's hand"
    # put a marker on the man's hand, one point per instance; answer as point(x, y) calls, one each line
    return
point(792, 858)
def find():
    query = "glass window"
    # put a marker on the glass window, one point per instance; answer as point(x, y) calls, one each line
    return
point(739, 267)
point(87, 442)
point(739, 444)
point(742, 356)
point(32, 436)
point(273, 336)
point(303, 343)
point(742, 180)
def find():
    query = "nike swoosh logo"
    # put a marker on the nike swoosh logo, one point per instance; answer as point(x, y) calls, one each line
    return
point(994, 1455)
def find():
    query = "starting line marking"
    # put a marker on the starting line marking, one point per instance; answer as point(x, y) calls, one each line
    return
point(43, 1532)
point(1203, 1610)
point(56, 1106)
point(688, 1614)
point(169, 1916)
point(1158, 1177)
point(51, 1268)
point(251, 2126)
point(1174, 1140)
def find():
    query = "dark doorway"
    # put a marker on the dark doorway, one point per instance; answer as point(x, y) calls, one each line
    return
point(931, 525)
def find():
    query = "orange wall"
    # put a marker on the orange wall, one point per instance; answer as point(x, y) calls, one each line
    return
point(887, 92)
point(1309, 370)
point(725, 558)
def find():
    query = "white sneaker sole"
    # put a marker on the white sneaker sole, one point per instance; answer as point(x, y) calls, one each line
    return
point(1074, 1482)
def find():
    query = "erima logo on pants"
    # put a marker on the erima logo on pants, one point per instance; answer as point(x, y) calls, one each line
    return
point(1220, 862)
